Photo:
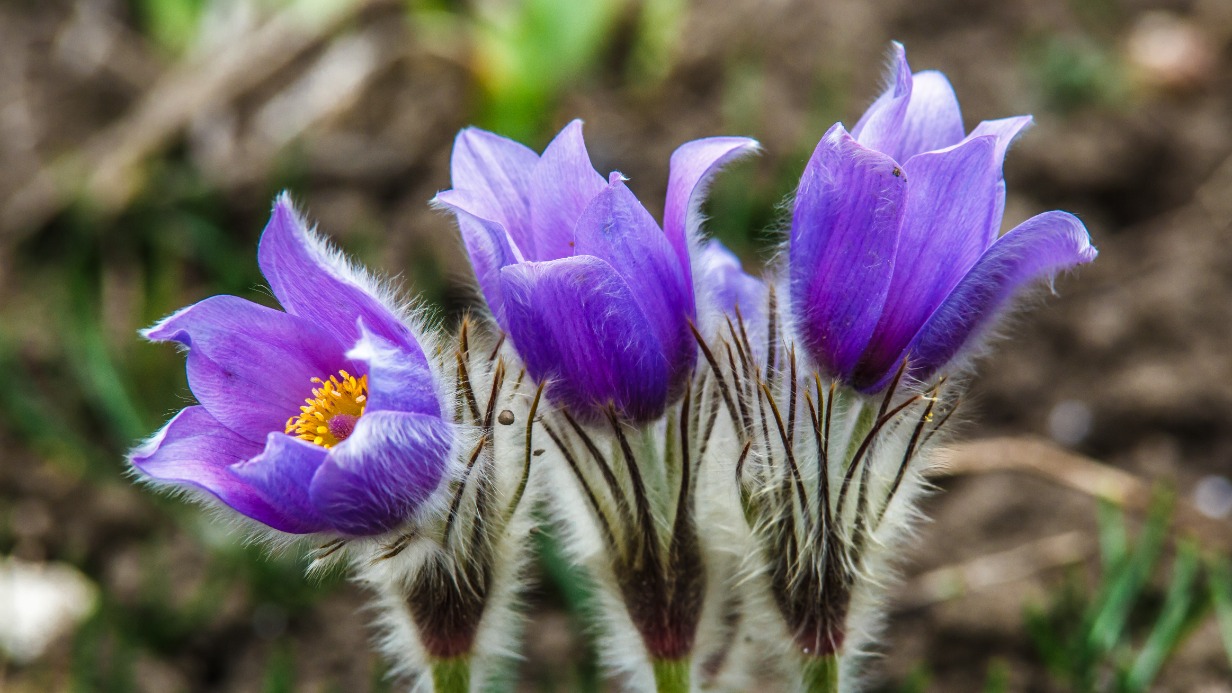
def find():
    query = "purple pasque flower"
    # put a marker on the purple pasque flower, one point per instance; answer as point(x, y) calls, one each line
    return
point(596, 297)
point(322, 418)
point(894, 248)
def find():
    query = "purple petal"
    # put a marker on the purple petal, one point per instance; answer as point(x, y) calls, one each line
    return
point(195, 450)
point(487, 245)
point(314, 282)
point(693, 165)
point(577, 326)
point(844, 236)
point(736, 294)
point(881, 125)
point(616, 228)
point(933, 119)
point(1005, 130)
point(950, 205)
point(1038, 248)
point(561, 186)
point(399, 379)
point(375, 479)
point(282, 474)
point(495, 173)
point(251, 366)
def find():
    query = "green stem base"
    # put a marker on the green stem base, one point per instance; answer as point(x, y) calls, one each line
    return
point(451, 675)
point(821, 674)
point(671, 675)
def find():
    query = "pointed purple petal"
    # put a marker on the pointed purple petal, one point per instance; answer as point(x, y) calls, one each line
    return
point(195, 450)
point(251, 366)
point(881, 125)
point(281, 474)
point(378, 477)
point(561, 186)
point(315, 282)
point(951, 201)
point(933, 119)
point(1005, 130)
point(692, 167)
point(577, 326)
point(399, 379)
point(844, 235)
point(487, 245)
point(495, 173)
point(1038, 248)
point(617, 229)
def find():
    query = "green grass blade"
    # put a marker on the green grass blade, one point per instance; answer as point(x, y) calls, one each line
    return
point(1170, 627)
point(1221, 592)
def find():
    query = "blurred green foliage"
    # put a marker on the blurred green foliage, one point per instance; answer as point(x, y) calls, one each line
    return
point(1116, 636)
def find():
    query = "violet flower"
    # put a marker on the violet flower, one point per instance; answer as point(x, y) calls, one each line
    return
point(596, 297)
point(323, 418)
point(894, 251)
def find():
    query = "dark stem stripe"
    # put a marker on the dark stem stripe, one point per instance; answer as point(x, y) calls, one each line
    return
point(940, 424)
point(395, 547)
point(456, 504)
point(861, 529)
point(712, 415)
point(464, 384)
point(527, 453)
point(496, 349)
point(794, 470)
point(649, 533)
point(718, 375)
point(744, 354)
point(761, 416)
point(744, 394)
point(484, 499)
point(601, 517)
point(865, 444)
point(908, 454)
point(683, 508)
point(609, 476)
point(869, 437)
point(792, 395)
point(328, 549)
point(824, 523)
point(746, 499)
point(498, 379)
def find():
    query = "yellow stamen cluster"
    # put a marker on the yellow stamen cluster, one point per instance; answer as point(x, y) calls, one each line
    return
point(332, 409)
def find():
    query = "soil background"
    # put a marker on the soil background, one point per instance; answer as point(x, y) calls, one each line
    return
point(136, 175)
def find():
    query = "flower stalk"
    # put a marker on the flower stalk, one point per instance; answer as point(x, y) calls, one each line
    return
point(671, 675)
point(451, 675)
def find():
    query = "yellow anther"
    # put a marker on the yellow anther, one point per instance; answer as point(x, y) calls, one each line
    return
point(331, 412)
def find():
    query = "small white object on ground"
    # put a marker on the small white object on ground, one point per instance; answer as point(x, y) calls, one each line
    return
point(38, 603)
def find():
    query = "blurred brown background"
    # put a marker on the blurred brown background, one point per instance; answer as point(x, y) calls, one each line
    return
point(142, 141)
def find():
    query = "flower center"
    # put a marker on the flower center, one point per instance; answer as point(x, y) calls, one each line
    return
point(330, 414)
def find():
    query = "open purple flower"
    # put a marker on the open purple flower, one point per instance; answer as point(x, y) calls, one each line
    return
point(595, 296)
point(323, 418)
point(894, 238)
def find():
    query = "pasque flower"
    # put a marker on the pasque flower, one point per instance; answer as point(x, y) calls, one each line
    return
point(894, 238)
point(596, 297)
point(322, 418)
